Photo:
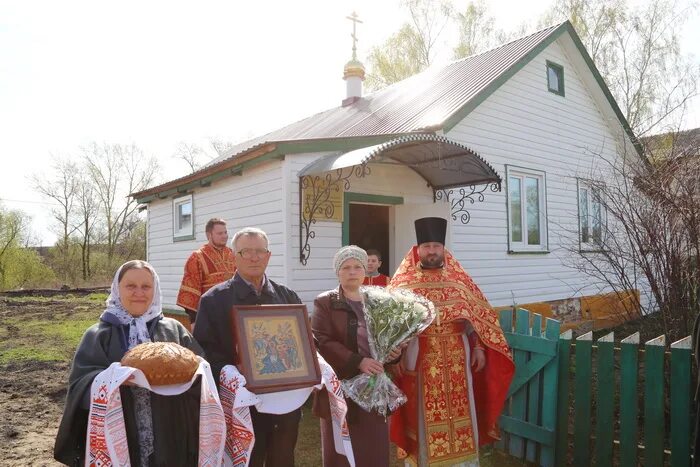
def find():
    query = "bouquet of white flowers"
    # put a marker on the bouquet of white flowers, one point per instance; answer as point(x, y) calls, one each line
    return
point(393, 317)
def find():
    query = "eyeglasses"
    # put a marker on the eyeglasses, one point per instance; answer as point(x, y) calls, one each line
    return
point(250, 253)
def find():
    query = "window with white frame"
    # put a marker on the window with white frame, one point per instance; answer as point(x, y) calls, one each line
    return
point(183, 218)
point(527, 210)
point(591, 216)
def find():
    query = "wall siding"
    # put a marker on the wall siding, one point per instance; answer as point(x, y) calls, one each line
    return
point(523, 124)
point(252, 199)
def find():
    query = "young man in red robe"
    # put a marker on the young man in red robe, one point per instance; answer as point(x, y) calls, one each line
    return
point(374, 277)
point(211, 264)
point(456, 374)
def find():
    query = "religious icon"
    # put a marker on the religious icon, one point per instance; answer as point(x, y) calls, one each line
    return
point(275, 347)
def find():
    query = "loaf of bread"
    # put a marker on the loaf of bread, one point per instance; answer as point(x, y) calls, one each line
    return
point(162, 362)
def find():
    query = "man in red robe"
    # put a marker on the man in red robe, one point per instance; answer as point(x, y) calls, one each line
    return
point(374, 277)
point(211, 264)
point(457, 373)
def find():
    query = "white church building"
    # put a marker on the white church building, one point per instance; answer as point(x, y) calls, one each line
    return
point(498, 143)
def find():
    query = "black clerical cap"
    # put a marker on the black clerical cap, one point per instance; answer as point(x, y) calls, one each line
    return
point(431, 229)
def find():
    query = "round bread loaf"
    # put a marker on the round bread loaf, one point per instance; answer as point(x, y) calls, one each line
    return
point(162, 362)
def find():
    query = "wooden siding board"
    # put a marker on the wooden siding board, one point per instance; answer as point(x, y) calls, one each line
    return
point(512, 127)
point(222, 199)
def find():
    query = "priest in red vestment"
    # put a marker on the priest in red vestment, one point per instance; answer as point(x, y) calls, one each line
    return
point(457, 373)
point(211, 264)
point(373, 276)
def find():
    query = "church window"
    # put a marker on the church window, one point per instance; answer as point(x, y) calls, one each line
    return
point(183, 218)
point(527, 210)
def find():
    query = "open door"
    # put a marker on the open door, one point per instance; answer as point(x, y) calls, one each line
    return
point(369, 229)
point(404, 232)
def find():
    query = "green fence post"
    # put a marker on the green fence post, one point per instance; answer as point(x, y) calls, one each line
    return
point(549, 394)
point(680, 402)
point(605, 402)
point(518, 408)
point(629, 367)
point(582, 401)
point(533, 394)
point(562, 444)
point(506, 320)
point(654, 401)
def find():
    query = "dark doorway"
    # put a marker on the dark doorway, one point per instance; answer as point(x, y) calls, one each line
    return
point(369, 228)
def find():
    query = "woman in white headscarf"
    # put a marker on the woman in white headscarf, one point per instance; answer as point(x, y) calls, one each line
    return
point(161, 430)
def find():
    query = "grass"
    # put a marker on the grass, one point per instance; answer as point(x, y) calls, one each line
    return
point(25, 353)
point(69, 331)
point(44, 329)
point(308, 450)
point(32, 299)
point(43, 341)
point(97, 297)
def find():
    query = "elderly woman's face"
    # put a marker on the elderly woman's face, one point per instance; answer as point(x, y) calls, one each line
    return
point(136, 291)
point(351, 274)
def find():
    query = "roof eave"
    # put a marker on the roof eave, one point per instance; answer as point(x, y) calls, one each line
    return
point(235, 164)
point(202, 174)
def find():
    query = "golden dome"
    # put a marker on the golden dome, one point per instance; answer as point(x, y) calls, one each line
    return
point(354, 68)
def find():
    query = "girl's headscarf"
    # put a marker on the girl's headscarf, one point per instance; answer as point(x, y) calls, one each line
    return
point(115, 311)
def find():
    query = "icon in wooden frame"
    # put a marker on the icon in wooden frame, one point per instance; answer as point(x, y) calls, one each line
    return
point(275, 347)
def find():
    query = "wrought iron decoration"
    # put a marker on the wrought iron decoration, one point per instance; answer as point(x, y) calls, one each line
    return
point(321, 187)
point(458, 198)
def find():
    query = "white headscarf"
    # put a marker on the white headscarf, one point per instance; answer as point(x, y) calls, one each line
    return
point(138, 331)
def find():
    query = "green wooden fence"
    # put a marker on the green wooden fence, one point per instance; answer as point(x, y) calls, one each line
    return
point(618, 433)
point(633, 391)
point(529, 419)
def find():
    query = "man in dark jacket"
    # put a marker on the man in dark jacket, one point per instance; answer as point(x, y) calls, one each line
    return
point(275, 435)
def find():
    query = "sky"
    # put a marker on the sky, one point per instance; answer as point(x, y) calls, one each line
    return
point(157, 73)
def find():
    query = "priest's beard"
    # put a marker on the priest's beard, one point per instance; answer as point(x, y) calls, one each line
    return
point(432, 261)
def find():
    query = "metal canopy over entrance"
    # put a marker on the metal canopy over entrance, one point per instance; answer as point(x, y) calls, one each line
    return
point(444, 164)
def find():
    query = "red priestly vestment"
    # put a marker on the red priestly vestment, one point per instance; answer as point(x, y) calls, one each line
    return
point(443, 393)
point(204, 269)
point(380, 280)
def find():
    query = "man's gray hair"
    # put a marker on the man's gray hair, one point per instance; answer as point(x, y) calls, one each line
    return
point(250, 231)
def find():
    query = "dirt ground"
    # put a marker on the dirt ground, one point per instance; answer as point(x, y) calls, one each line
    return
point(31, 402)
point(31, 393)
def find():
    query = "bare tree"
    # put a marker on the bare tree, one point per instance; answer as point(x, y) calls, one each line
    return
point(477, 30)
point(88, 207)
point(134, 244)
point(412, 48)
point(220, 146)
point(61, 189)
point(192, 154)
point(429, 19)
point(116, 171)
point(195, 156)
point(651, 237)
